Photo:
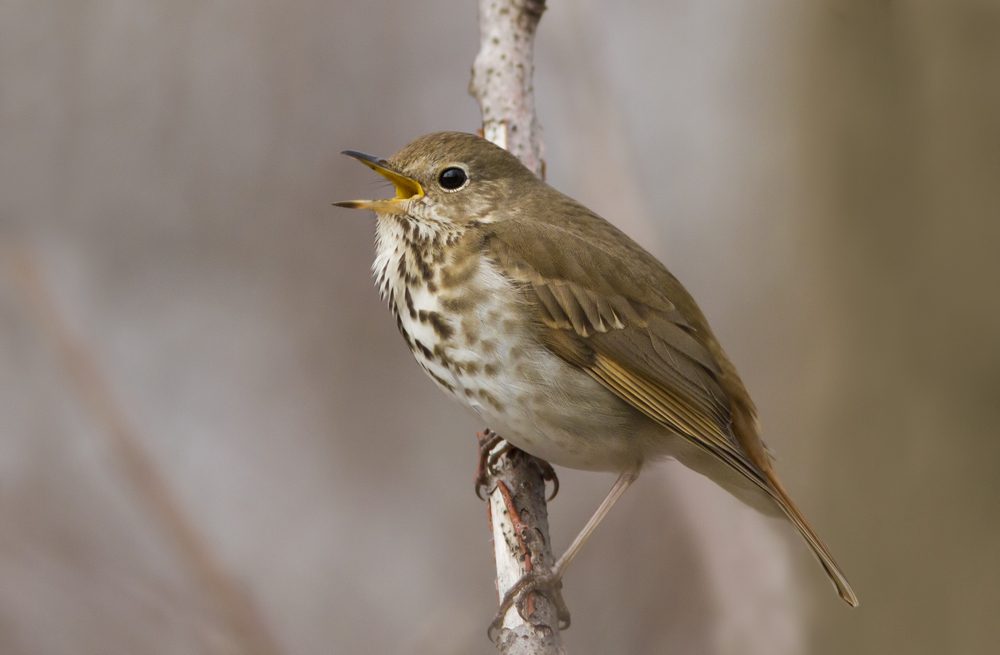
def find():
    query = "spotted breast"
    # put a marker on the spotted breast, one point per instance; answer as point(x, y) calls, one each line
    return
point(456, 312)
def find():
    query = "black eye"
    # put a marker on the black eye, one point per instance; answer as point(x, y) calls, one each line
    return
point(452, 178)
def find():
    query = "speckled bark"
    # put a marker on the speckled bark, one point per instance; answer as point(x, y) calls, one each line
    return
point(521, 544)
point(502, 83)
point(502, 77)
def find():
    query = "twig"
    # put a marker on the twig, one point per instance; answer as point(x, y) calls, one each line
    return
point(520, 526)
point(502, 83)
point(502, 77)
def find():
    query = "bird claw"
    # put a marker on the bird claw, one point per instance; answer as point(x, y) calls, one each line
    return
point(548, 475)
point(488, 440)
point(489, 454)
point(546, 584)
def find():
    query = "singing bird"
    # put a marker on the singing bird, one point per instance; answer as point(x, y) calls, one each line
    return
point(559, 331)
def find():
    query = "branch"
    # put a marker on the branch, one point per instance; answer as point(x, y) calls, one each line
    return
point(502, 77)
point(502, 83)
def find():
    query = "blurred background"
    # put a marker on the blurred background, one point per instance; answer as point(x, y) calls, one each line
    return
point(212, 439)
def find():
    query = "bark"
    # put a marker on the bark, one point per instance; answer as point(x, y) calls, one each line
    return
point(502, 83)
point(502, 77)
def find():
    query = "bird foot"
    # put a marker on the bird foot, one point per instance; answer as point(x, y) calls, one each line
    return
point(488, 440)
point(489, 454)
point(548, 475)
point(547, 584)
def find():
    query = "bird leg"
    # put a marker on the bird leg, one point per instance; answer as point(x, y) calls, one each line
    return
point(549, 582)
point(623, 482)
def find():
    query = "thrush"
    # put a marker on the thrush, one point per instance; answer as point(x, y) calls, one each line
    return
point(559, 331)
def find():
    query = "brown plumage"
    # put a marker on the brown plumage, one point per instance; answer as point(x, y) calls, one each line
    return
point(588, 304)
point(635, 329)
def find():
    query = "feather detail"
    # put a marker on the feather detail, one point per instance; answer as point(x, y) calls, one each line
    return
point(610, 308)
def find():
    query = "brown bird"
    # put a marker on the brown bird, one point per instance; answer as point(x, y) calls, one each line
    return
point(559, 331)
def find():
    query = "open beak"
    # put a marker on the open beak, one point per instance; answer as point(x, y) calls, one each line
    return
point(406, 187)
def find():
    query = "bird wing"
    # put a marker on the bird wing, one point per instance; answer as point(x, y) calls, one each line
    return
point(628, 323)
point(610, 308)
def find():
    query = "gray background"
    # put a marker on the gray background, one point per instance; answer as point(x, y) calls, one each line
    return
point(212, 439)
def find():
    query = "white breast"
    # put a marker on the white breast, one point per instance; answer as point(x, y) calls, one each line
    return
point(477, 345)
point(489, 360)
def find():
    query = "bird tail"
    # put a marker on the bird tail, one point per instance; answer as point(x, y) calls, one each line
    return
point(815, 543)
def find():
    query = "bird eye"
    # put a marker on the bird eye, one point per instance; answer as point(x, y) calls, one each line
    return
point(452, 178)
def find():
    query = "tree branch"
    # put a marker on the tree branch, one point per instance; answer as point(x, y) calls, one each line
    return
point(502, 77)
point(502, 83)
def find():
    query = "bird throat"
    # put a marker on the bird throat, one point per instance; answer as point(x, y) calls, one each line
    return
point(429, 282)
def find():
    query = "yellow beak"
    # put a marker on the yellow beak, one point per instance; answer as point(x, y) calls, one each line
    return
point(406, 187)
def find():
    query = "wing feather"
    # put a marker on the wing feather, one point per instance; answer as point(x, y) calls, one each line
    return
point(608, 307)
point(650, 346)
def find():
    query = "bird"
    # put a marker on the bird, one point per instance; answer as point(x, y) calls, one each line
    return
point(560, 332)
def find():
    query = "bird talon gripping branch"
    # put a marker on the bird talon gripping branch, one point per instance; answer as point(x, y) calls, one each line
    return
point(545, 583)
point(488, 441)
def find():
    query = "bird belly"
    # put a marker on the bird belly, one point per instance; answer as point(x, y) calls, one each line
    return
point(477, 345)
point(492, 363)
point(566, 418)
